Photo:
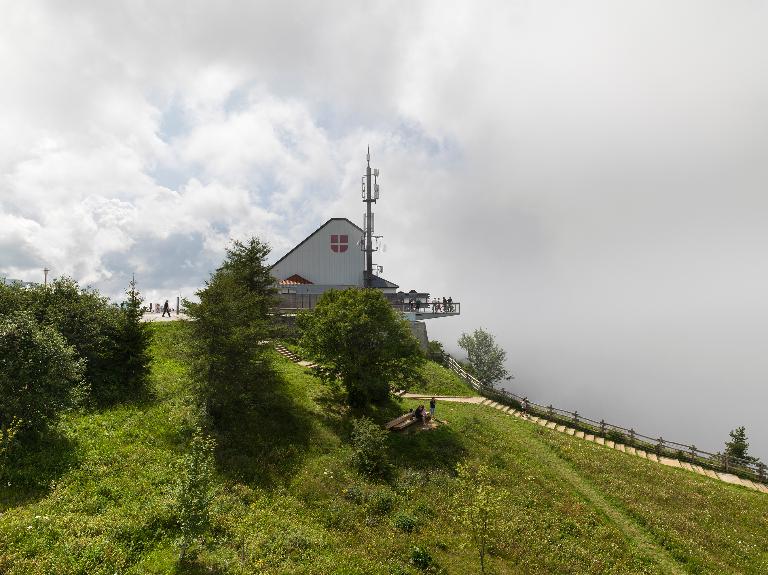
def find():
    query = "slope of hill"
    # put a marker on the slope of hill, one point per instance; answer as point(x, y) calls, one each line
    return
point(97, 495)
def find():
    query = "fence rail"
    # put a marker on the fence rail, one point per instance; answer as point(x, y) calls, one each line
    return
point(428, 307)
point(750, 469)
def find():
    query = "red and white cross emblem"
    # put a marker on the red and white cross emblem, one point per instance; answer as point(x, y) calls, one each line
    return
point(339, 243)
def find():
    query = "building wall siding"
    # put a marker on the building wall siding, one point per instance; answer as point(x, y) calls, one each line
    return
point(316, 261)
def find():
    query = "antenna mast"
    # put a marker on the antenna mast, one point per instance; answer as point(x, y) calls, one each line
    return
point(370, 195)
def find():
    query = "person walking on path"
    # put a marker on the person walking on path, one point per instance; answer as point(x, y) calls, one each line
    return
point(432, 404)
point(166, 309)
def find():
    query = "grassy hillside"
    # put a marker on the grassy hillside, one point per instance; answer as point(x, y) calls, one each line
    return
point(96, 495)
point(438, 380)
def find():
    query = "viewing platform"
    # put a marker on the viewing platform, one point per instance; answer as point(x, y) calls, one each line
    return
point(424, 310)
point(413, 311)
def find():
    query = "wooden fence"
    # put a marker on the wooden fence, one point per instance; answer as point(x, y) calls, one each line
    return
point(750, 469)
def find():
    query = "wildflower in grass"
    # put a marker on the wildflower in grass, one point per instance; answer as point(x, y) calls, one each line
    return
point(480, 506)
point(194, 491)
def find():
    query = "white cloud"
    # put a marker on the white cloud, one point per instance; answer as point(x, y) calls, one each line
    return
point(588, 177)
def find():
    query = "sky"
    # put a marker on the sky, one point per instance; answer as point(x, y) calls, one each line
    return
point(586, 178)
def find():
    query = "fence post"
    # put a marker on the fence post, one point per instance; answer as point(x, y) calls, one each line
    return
point(660, 446)
point(602, 427)
point(693, 452)
point(575, 417)
point(631, 437)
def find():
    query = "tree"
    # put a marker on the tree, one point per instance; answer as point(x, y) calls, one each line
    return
point(39, 374)
point(485, 357)
point(231, 328)
point(436, 352)
point(737, 447)
point(133, 342)
point(480, 508)
point(110, 339)
point(363, 341)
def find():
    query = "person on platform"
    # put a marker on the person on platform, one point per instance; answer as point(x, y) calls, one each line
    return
point(166, 309)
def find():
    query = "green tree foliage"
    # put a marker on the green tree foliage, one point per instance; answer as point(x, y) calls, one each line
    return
point(231, 328)
point(480, 508)
point(738, 446)
point(39, 374)
point(194, 492)
point(363, 341)
point(436, 352)
point(133, 341)
point(369, 447)
point(485, 357)
point(8, 433)
point(110, 339)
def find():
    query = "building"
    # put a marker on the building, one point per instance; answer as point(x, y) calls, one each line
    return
point(329, 258)
point(12, 282)
point(338, 255)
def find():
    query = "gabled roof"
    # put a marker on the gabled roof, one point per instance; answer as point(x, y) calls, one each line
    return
point(295, 280)
point(380, 282)
point(312, 234)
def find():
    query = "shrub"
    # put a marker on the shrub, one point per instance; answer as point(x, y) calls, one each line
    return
point(355, 494)
point(381, 502)
point(111, 339)
point(39, 373)
point(404, 522)
point(8, 435)
point(369, 447)
point(421, 558)
point(193, 492)
point(436, 353)
point(616, 436)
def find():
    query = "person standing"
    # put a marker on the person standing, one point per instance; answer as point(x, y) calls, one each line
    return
point(166, 309)
point(432, 405)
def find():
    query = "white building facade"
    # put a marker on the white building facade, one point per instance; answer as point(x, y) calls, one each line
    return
point(329, 258)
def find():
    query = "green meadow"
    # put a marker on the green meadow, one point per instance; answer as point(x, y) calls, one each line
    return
point(96, 494)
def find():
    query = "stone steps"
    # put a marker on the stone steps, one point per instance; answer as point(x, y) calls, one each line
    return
point(668, 461)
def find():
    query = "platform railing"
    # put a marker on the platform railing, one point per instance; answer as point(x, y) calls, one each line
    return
point(428, 307)
point(752, 469)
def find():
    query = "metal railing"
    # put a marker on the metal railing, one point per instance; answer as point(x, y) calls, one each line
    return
point(747, 468)
point(427, 307)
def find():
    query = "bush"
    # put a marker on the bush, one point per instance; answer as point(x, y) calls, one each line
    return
point(193, 492)
point(110, 339)
point(355, 494)
point(616, 436)
point(369, 447)
point(405, 522)
point(381, 502)
point(436, 353)
point(421, 558)
point(39, 373)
